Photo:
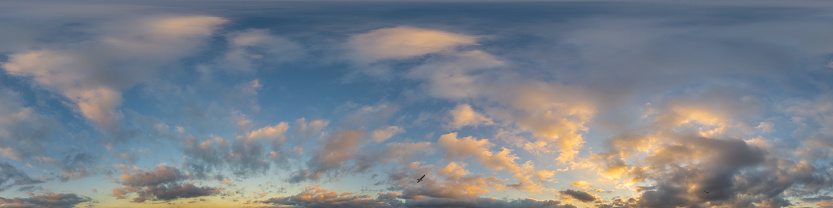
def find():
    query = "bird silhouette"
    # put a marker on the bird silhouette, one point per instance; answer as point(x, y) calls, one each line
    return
point(420, 179)
point(706, 192)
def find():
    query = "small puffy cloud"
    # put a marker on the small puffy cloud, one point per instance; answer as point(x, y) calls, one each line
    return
point(582, 196)
point(46, 200)
point(270, 133)
point(380, 135)
point(464, 115)
point(462, 148)
point(404, 42)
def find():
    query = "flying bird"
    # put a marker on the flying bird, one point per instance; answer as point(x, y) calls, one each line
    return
point(420, 179)
point(706, 192)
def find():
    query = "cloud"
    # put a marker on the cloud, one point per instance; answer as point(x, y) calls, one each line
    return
point(305, 130)
point(250, 153)
point(173, 192)
point(464, 115)
point(556, 114)
point(452, 181)
point(93, 73)
point(162, 183)
point(456, 76)
point(582, 196)
point(484, 203)
point(404, 42)
point(581, 184)
point(341, 147)
point(466, 147)
point(380, 135)
point(315, 197)
point(79, 165)
point(10, 177)
point(252, 48)
point(160, 175)
point(403, 152)
point(24, 131)
point(47, 200)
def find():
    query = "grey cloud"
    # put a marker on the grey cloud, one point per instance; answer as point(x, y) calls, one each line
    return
point(79, 165)
point(486, 203)
point(174, 191)
point(10, 176)
point(244, 158)
point(161, 175)
point(24, 131)
point(341, 147)
point(582, 196)
point(619, 203)
point(47, 200)
point(255, 48)
point(817, 199)
point(162, 183)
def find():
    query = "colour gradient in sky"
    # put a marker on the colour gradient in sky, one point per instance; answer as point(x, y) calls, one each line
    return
point(346, 104)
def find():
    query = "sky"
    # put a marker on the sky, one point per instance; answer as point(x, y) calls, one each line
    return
point(557, 104)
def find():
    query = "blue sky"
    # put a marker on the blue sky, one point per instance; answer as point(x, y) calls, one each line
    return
point(346, 104)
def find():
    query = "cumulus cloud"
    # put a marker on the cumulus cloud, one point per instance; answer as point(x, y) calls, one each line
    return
point(162, 183)
point(47, 200)
point(464, 115)
point(556, 114)
point(404, 42)
point(452, 181)
point(160, 175)
point(250, 153)
point(92, 74)
point(341, 147)
point(462, 148)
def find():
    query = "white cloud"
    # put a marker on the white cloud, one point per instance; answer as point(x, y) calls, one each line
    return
point(404, 42)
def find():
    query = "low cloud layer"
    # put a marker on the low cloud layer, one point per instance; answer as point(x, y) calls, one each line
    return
point(47, 200)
